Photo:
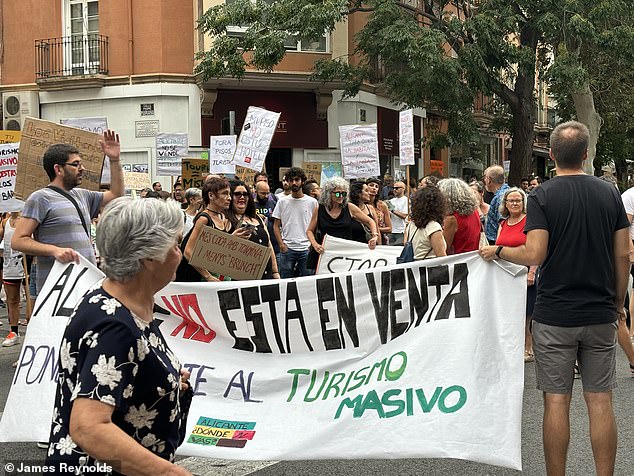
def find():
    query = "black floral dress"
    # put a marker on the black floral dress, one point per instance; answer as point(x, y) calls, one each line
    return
point(108, 354)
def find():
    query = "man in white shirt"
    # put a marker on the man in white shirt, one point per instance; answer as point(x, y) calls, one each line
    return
point(399, 211)
point(292, 216)
point(628, 202)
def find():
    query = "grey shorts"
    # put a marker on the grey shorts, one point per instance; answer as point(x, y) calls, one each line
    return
point(557, 348)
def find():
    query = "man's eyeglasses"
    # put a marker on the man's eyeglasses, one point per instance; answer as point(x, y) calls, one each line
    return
point(73, 164)
point(241, 194)
point(340, 194)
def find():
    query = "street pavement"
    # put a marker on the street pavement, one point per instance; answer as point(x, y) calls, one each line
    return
point(579, 458)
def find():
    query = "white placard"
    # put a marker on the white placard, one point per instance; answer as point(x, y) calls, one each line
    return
point(8, 172)
point(277, 365)
point(341, 256)
point(406, 137)
point(221, 151)
point(92, 124)
point(359, 151)
point(255, 138)
point(170, 149)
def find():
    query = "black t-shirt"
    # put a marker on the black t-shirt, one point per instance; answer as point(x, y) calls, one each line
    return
point(581, 214)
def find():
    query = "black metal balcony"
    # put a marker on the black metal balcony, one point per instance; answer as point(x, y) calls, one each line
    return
point(71, 56)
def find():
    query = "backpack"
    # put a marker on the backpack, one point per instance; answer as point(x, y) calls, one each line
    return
point(407, 255)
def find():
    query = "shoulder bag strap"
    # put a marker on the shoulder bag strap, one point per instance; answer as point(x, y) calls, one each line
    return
point(74, 202)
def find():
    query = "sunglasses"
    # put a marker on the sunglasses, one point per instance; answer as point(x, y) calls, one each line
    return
point(397, 188)
point(340, 194)
point(241, 194)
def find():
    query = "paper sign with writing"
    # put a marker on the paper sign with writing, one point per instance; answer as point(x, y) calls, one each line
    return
point(255, 138)
point(170, 148)
point(98, 125)
point(194, 172)
point(136, 180)
point(341, 256)
point(313, 171)
point(359, 151)
point(221, 150)
point(406, 137)
point(9, 137)
point(225, 254)
point(37, 136)
point(8, 167)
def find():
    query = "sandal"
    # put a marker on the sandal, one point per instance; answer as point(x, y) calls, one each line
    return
point(577, 372)
point(22, 322)
point(529, 357)
point(632, 370)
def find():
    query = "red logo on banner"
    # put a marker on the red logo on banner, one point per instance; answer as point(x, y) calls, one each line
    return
point(194, 326)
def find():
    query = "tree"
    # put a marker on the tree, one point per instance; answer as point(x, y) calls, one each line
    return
point(436, 54)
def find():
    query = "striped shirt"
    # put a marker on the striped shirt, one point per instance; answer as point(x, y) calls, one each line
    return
point(60, 225)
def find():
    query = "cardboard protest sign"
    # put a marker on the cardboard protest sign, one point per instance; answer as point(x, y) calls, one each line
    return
point(341, 256)
point(37, 136)
point(225, 254)
point(246, 175)
point(313, 171)
point(359, 151)
point(136, 180)
point(437, 166)
point(406, 137)
point(170, 148)
point(255, 138)
point(194, 172)
point(221, 151)
point(364, 353)
point(98, 125)
point(9, 137)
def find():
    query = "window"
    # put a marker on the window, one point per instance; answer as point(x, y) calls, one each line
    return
point(82, 26)
point(322, 45)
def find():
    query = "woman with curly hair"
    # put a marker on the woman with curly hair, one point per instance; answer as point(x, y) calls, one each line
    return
point(381, 210)
point(425, 230)
point(360, 196)
point(335, 217)
point(461, 226)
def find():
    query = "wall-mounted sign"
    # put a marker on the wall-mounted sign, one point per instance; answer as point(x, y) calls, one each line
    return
point(147, 109)
point(146, 128)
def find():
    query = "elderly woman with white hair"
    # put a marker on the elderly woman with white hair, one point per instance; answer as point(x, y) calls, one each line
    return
point(122, 396)
point(334, 217)
point(461, 226)
point(194, 199)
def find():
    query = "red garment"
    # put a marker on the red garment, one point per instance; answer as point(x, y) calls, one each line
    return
point(512, 235)
point(467, 237)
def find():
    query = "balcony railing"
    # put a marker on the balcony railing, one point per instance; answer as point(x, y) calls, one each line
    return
point(77, 55)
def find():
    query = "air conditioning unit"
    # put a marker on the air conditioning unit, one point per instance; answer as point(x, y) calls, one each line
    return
point(16, 106)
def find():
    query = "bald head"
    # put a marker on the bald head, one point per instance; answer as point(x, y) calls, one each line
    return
point(262, 190)
point(493, 178)
point(399, 189)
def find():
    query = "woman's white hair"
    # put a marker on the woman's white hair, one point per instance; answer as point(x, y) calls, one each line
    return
point(132, 230)
point(326, 191)
point(504, 212)
point(459, 196)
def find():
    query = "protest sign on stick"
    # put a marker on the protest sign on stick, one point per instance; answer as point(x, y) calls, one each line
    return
point(98, 125)
point(406, 137)
point(225, 254)
point(194, 172)
point(136, 180)
point(313, 171)
point(37, 136)
point(221, 150)
point(8, 167)
point(255, 138)
point(359, 151)
point(170, 148)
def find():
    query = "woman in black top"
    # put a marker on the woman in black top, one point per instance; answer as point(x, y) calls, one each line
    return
point(360, 197)
point(335, 216)
point(242, 214)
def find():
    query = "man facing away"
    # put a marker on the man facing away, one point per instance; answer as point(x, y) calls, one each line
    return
point(577, 230)
point(265, 203)
point(292, 216)
point(51, 227)
point(494, 183)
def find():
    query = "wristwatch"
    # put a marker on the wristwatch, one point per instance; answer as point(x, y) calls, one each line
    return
point(498, 251)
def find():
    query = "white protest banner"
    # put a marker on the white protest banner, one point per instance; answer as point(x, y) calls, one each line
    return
point(359, 151)
point(255, 138)
point(221, 150)
point(98, 125)
point(341, 256)
point(8, 168)
point(170, 148)
point(406, 137)
point(279, 365)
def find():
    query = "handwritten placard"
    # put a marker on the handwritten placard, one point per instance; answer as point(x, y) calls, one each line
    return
point(98, 125)
point(39, 135)
point(225, 254)
point(255, 138)
point(136, 180)
point(170, 148)
point(246, 175)
point(194, 172)
point(221, 150)
point(10, 137)
point(313, 171)
point(359, 151)
point(406, 137)
point(8, 167)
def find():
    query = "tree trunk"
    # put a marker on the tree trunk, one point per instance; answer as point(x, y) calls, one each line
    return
point(522, 149)
point(587, 114)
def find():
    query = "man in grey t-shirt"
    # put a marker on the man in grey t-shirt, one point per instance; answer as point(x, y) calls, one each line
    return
point(50, 227)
